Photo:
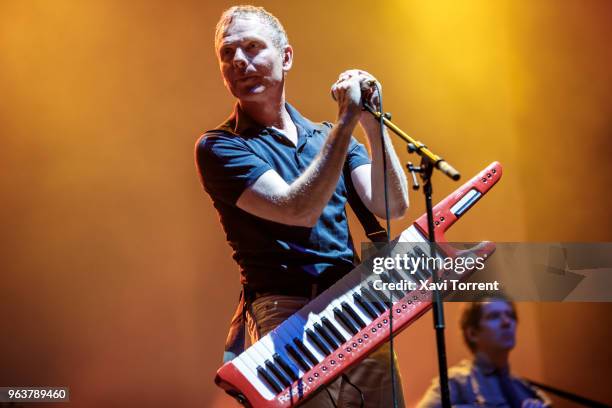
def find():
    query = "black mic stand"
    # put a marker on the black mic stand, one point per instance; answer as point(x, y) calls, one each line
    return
point(429, 161)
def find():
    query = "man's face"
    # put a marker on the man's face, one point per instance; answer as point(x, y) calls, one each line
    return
point(497, 328)
point(252, 67)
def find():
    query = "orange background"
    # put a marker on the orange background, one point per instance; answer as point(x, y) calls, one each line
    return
point(116, 277)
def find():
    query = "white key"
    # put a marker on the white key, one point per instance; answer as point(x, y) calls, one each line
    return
point(411, 234)
point(340, 289)
point(275, 345)
point(286, 337)
point(348, 298)
point(249, 369)
point(300, 333)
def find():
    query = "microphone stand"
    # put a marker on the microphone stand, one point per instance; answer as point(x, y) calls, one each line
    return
point(429, 162)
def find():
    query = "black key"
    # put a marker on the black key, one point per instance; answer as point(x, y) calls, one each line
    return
point(389, 278)
point(271, 381)
point(330, 326)
point(396, 276)
point(364, 305)
point(424, 274)
point(305, 351)
point(410, 276)
point(418, 252)
point(318, 342)
point(420, 275)
point(321, 331)
point(397, 294)
point(345, 321)
point(367, 295)
point(371, 297)
point(348, 309)
point(297, 357)
point(286, 366)
point(381, 295)
point(274, 370)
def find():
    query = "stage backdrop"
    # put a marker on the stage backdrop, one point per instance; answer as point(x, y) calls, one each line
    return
point(116, 277)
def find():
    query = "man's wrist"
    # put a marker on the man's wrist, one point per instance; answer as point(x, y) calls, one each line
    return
point(348, 119)
point(370, 124)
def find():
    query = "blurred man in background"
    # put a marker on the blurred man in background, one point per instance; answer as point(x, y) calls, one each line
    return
point(489, 330)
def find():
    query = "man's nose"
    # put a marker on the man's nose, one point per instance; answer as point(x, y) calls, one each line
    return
point(240, 58)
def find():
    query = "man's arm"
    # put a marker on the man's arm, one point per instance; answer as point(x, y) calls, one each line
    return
point(302, 202)
point(369, 179)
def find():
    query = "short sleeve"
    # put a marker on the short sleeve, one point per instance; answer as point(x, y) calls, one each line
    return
point(227, 166)
point(357, 155)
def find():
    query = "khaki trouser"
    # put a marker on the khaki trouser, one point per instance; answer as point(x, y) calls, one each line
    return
point(371, 375)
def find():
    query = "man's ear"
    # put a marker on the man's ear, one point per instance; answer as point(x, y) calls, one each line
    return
point(287, 58)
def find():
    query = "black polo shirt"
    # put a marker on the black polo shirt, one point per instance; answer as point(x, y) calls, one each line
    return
point(271, 255)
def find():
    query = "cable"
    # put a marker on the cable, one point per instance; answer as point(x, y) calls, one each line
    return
point(345, 378)
point(384, 160)
point(331, 398)
point(388, 219)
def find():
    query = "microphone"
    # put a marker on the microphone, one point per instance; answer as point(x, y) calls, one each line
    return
point(370, 84)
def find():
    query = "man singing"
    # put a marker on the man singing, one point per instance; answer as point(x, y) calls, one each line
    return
point(279, 183)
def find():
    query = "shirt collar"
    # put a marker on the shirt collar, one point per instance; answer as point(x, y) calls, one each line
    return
point(240, 123)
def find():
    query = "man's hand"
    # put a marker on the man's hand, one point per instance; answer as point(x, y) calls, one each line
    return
point(367, 92)
point(369, 179)
point(348, 91)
